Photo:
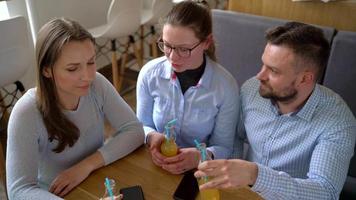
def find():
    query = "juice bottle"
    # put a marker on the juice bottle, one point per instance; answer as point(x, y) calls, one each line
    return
point(206, 194)
point(169, 147)
point(111, 192)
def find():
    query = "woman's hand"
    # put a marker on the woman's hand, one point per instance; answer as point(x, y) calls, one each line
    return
point(73, 176)
point(68, 179)
point(154, 142)
point(187, 159)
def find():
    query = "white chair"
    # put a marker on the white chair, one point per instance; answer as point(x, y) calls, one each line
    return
point(14, 50)
point(152, 11)
point(155, 9)
point(212, 3)
point(14, 60)
point(123, 20)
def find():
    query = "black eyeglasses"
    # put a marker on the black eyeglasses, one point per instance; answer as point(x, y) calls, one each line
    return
point(181, 51)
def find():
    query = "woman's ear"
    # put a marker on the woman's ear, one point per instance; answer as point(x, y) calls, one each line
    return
point(208, 41)
point(47, 72)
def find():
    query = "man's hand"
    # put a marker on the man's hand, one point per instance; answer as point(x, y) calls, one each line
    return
point(233, 173)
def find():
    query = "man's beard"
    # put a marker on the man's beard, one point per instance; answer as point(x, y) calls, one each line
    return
point(286, 95)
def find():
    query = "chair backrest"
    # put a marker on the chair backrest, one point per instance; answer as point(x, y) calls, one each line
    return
point(147, 4)
point(156, 10)
point(160, 8)
point(212, 3)
point(340, 76)
point(240, 41)
point(14, 50)
point(15, 58)
point(123, 17)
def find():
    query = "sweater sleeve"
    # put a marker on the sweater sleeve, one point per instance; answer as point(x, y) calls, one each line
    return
point(128, 130)
point(23, 153)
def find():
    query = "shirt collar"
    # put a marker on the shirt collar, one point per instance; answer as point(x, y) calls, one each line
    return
point(204, 81)
point(307, 111)
point(207, 77)
point(167, 70)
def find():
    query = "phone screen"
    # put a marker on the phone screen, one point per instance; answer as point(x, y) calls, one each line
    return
point(188, 188)
point(132, 193)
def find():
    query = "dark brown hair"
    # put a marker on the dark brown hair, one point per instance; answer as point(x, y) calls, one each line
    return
point(50, 41)
point(307, 42)
point(195, 15)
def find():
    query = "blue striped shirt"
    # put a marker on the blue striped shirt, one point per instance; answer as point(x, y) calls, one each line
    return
point(300, 155)
point(207, 112)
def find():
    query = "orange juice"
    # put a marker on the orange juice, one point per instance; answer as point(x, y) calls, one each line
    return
point(169, 148)
point(208, 194)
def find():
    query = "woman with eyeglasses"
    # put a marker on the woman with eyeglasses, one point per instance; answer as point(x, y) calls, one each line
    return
point(187, 84)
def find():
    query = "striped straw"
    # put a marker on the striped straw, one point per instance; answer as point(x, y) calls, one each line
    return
point(108, 188)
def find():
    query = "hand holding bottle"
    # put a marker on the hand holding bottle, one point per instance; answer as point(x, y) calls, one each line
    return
point(206, 194)
point(154, 142)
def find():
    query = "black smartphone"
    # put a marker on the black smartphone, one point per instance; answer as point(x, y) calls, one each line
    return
point(188, 188)
point(132, 193)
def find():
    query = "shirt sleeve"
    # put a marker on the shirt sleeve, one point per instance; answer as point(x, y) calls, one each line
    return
point(240, 144)
point(222, 139)
point(23, 153)
point(327, 171)
point(144, 104)
point(128, 130)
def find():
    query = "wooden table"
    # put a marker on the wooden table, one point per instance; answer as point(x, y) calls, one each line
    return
point(138, 169)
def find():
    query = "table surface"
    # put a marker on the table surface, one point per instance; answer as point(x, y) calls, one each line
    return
point(138, 169)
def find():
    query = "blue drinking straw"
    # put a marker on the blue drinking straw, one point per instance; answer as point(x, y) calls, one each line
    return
point(172, 123)
point(197, 144)
point(168, 135)
point(168, 126)
point(108, 188)
point(203, 155)
point(199, 147)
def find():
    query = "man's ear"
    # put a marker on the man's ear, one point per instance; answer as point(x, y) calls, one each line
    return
point(47, 72)
point(308, 77)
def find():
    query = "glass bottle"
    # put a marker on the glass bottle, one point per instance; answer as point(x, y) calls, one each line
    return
point(206, 194)
point(115, 194)
point(169, 147)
